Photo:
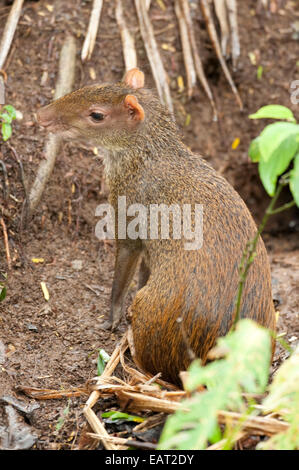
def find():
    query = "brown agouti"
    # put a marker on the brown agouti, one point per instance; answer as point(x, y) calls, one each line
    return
point(146, 161)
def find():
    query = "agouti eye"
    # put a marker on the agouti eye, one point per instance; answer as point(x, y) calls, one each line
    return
point(97, 116)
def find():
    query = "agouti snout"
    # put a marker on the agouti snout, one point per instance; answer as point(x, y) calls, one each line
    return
point(146, 162)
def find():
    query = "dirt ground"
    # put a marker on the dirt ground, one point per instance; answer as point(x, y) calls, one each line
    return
point(54, 344)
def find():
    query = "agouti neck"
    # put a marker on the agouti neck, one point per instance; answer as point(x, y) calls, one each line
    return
point(156, 139)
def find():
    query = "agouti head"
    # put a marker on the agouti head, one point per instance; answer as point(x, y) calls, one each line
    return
point(108, 116)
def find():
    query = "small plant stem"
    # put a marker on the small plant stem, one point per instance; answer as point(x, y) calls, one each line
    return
point(250, 250)
point(286, 206)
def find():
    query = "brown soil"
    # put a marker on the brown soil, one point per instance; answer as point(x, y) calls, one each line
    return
point(54, 344)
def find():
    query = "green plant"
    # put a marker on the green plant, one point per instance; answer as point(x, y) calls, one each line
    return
point(245, 368)
point(103, 359)
point(62, 418)
point(7, 115)
point(275, 149)
point(119, 417)
point(3, 287)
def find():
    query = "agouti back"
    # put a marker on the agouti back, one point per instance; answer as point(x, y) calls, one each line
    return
point(146, 161)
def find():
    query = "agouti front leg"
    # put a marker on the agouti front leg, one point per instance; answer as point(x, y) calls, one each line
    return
point(127, 256)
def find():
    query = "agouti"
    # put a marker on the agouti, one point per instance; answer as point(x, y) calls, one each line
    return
point(186, 297)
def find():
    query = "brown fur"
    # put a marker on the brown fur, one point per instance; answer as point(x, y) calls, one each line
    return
point(146, 161)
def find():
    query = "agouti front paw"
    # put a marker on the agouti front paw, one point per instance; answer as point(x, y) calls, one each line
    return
point(106, 325)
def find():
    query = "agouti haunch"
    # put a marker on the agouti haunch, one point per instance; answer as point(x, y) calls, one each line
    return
point(146, 161)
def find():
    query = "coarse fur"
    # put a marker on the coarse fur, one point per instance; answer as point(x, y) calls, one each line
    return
point(186, 298)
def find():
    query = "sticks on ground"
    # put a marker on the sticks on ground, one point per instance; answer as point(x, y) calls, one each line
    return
point(97, 426)
point(197, 62)
point(92, 30)
point(221, 13)
point(9, 30)
point(153, 54)
point(129, 51)
point(235, 41)
point(187, 51)
point(213, 36)
point(64, 85)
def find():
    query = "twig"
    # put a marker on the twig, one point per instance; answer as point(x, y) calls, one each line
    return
point(232, 16)
point(153, 54)
point(213, 35)
point(20, 163)
point(6, 243)
point(9, 30)
point(49, 394)
point(187, 51)
point(2, 90)
point(221, 13)
point(129, 51)
point(64, 85)
point(125, 442)
point(25, 207)
point(148, 4)
point(92, 30)
point(258, 424)
point(197, 62)
point(5, 182)
point(91, 417)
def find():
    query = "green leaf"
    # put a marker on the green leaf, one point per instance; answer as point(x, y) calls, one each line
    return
point(118, 415)
point(273, 136)
point(294, 180)
point(274, 111)
point(6, 131)
point(254, 151)
point(271, 169)
point(2, 293)
point(259, 72)
point(11, 111)
point(6, 118)
point(103, 358)
point(284, 398)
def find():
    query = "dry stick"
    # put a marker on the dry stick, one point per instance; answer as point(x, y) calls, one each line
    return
point(92, 30)
point(91, 417)
point(148, 4)
point(221, 13)
point(64, 85)
point(259, 424)
point(129, 51)
point(232, 16)
point(2, 91)
point(187, 51)
point(6, 243)
point(197, 62)
point(126, 442)
point(9, 30)
point(213, 35)
point(153, 54)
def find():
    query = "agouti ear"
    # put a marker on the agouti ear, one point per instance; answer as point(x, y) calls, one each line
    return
point(134, 78)
point(135, 109)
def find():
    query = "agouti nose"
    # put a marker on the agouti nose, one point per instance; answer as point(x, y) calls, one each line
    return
point(45, 117)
